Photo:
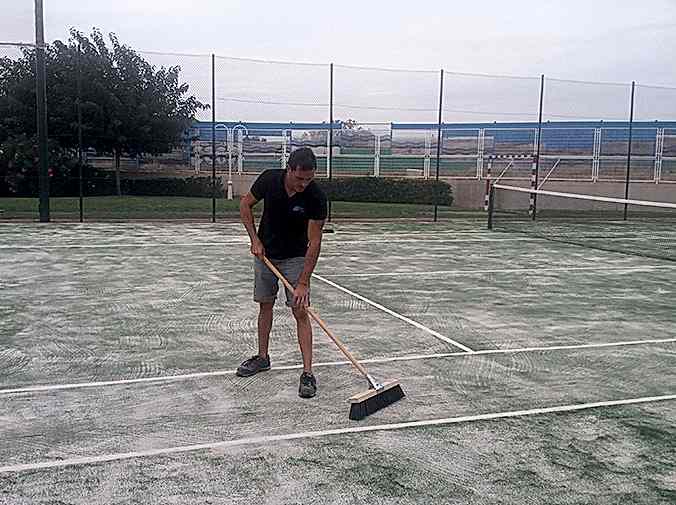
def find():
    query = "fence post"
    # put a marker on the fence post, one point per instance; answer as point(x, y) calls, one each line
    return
point(441, 100)
point(329, 159)
point(41, 98)
point(79, 130)
point(631, 123)
point(536, 162)
point(213, 138)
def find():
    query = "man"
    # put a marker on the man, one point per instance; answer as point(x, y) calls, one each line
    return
point(290, 235)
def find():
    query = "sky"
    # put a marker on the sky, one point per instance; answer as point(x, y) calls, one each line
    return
point(601, 40)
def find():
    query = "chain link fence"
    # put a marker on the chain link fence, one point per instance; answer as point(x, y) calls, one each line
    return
point(182, 135)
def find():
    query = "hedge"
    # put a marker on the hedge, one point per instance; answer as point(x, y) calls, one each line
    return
point(387, 190)
point(172, 186)
point(160, 186)
point(347, 189)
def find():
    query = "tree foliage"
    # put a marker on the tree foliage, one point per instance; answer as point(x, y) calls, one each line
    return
point(127, 104)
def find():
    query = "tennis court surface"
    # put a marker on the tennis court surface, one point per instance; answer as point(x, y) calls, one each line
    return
point(536, 370)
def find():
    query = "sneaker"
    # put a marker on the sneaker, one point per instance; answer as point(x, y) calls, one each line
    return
point(253, 365)
point(308, 385)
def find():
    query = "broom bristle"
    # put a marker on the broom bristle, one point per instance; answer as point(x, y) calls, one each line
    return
point(359, 410)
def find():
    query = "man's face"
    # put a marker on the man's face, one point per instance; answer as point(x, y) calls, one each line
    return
point(299, 179)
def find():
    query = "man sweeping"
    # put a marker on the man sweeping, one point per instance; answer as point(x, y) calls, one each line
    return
point(290, 236)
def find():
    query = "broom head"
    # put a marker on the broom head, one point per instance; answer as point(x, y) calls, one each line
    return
point(371, 401)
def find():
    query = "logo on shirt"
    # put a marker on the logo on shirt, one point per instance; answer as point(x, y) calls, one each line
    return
point(297, 209)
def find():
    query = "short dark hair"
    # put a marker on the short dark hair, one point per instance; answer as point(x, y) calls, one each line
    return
point(302, 159)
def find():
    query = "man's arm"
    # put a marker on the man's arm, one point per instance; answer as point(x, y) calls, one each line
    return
point(246, 205)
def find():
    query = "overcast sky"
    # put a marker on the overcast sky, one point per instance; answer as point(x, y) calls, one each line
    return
point(599, 40)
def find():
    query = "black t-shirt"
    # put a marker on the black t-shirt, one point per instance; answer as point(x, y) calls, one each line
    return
point(283, 227)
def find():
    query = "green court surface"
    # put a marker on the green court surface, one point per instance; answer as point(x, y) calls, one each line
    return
point(535, 371)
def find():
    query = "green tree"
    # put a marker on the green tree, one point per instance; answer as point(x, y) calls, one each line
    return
point(127, 104)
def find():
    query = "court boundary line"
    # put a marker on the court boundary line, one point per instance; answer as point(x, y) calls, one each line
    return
point(106, 458)
point(123, 246)
point(395, 314)
point(298, 366)
point(244, 240)
point(627, 269)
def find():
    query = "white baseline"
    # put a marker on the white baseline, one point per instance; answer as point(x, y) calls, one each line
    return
point(104, 458)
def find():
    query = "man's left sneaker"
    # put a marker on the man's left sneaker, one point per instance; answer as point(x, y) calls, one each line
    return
point(308, 385)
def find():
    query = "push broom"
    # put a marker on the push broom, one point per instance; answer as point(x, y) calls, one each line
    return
point(378, 396)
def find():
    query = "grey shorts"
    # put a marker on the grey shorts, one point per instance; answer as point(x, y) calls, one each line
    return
point(266, 284)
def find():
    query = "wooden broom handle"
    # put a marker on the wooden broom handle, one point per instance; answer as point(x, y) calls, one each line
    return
point(318, 320)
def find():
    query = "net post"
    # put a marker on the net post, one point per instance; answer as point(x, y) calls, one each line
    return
point(41, 99)
point(491, 205)
point(536, 163)
point(329, 158)
point(441, 100)
point(213, 138)
point(631, 123)
point(488, 184)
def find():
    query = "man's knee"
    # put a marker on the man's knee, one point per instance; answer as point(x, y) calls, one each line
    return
point(266, 307)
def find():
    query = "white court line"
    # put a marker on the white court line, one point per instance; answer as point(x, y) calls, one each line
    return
point(120, 246)
point(395, 314)
point(627, 269)
point(332, 242)
point(105, 458)
point(410, 357)
point(386, 240)
point(509, 238)
point(243, 240)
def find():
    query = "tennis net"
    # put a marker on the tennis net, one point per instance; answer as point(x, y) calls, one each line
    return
point(645, 228)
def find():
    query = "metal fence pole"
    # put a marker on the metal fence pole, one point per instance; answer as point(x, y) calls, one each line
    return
point(213, 138)
point(631, 123)
point(79, 130)
point(41, 97)
point(329, 158)
point(441, 100)
point(536, 165)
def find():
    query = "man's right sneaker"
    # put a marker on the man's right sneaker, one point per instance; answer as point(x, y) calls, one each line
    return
point(253, 365)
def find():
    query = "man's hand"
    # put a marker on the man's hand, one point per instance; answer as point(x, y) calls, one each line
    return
point(257, 248)
point(301, 295)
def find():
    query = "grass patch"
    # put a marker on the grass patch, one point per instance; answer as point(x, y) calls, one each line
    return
point(104, 208)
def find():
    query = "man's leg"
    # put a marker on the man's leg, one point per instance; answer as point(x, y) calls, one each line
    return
point(308, 384)
point(265, 293)
point(304, 336)
point(291, 269)
point(264, 327)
